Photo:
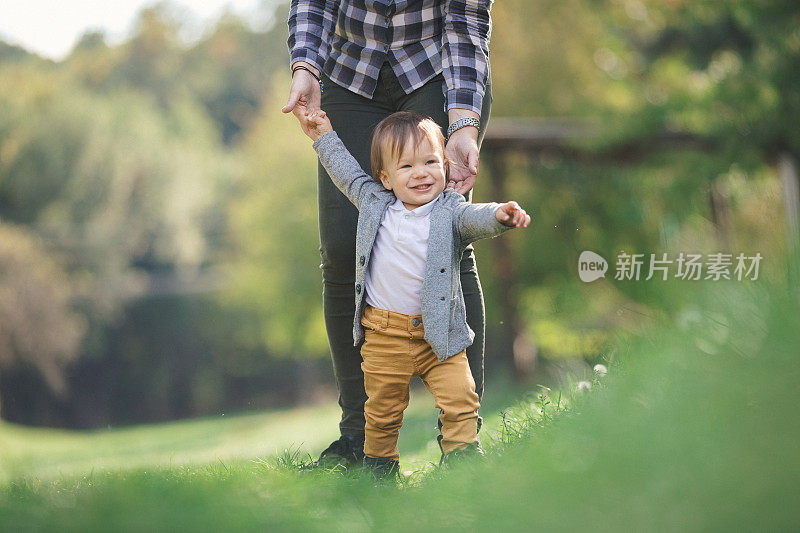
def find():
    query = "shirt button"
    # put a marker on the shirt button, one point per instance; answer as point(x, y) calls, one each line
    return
point(415, 322)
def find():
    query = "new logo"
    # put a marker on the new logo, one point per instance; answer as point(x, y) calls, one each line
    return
point(591, 266)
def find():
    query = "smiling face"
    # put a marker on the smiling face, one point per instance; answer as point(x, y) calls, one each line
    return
point(417, 176)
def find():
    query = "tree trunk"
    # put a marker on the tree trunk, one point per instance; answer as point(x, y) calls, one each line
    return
point(721, 213)
point(518, 348)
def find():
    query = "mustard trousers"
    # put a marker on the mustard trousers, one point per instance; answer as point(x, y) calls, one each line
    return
point(393, 352)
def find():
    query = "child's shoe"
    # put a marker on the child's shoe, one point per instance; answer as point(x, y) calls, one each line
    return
point(471, 450)
point(383, 468)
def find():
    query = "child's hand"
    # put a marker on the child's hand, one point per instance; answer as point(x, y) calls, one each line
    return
point(512, 215)
point(318, 124)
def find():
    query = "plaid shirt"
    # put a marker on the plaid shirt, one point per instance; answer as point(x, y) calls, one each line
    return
point(350, 40)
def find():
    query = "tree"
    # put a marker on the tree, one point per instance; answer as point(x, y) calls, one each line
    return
point(274, 228)
point(38, 324)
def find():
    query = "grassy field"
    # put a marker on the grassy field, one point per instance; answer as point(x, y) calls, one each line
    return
point(48, 454)
point(695, 428)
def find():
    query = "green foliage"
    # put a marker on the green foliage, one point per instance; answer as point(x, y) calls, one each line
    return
point(541, 58)
point(724, 70)
point(38, 327)
point(275, 229)
point(719, 71)
point(162, 159)
point(113, 184)
point(111, 177)
point(225, 72)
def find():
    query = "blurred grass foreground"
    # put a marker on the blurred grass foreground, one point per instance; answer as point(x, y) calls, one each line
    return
point(695, 430)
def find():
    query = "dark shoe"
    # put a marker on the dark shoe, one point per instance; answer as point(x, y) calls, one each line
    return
point(471, 450)
point(346, 451)
point(383, 468)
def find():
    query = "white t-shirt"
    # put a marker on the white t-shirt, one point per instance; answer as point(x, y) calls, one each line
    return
point(397, 265)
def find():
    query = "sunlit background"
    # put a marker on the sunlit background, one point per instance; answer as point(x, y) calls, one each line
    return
point(51, 29)
point(158, 228)
point(151, 272)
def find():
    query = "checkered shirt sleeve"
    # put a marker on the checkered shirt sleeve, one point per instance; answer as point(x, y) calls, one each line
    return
point(465, 52)
point(311, 26)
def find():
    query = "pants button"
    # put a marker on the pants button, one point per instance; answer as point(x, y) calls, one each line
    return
point(415, 322)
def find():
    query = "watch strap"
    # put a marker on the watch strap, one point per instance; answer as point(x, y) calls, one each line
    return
point(463, 123)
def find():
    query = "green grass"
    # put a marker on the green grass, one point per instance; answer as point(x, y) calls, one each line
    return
point(51, 454)
point(695, 428)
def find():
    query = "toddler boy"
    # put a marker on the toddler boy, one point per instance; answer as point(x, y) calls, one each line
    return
point(409, 304)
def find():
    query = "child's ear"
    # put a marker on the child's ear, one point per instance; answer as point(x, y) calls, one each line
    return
point(384, 177)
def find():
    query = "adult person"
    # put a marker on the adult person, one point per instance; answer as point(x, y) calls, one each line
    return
point(360, 61)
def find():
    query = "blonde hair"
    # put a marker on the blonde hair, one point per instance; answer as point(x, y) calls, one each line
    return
point(393, 133)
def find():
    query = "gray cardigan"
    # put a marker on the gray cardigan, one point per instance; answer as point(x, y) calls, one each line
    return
point(455, 223)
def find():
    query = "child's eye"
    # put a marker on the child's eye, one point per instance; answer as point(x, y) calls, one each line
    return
point(406, 166)
point(432, 162)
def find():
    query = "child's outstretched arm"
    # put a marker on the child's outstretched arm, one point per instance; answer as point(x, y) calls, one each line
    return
point(481, 221)
point(344, 170)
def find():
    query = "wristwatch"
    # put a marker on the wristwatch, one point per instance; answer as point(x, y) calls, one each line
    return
point(463, 123)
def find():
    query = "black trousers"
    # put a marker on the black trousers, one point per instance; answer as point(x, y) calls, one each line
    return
point(354, 118)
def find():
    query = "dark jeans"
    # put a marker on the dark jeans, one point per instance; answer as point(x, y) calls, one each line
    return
point(354, 118)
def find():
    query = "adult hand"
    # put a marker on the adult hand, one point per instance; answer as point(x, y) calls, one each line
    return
point(462, 151)
point(304, 95)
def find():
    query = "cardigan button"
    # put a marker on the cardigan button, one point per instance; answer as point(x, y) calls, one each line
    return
point(361, 260)
point(358, 289)
point(442, 298)
point(442, 271)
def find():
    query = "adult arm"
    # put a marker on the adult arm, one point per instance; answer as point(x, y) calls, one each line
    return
point(465, 63)
point(465, 52)
point(311, 26)
point(344, 170)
